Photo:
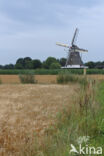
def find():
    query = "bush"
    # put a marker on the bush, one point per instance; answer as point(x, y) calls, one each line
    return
point(27, 78)
point(0, 81)
point(55, 66)
point(66, 78)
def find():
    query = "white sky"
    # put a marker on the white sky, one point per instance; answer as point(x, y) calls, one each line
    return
point(32, 27)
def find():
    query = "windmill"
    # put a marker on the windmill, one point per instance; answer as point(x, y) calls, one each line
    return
point(73, 59)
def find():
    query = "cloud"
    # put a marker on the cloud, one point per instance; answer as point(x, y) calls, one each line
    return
point(31, 28)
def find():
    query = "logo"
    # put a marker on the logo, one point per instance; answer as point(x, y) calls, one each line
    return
point(86, 150)
point(73, 149)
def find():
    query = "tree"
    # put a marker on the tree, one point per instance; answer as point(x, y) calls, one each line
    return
point(8, 66)
point(19, 66)
point(62, 61)
point(90, 64)
point(24, 63)
point(27, 59)
point(36, 64)
point(49, 61)
point(55, 66)
point(28, 63)
point(19, 63)
point(99, 65)
point(20, 60)
point(1, 66)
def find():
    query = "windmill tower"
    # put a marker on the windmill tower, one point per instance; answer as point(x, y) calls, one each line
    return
point(73, 59)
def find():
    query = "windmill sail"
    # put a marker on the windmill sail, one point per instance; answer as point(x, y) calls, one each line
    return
point(80, 50)
point(63, 45)
point(74, 37)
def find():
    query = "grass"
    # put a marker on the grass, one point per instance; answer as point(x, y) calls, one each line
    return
point(71, 78)
point(24, 71)
point(0, 81)
point(49, 71)
point(66, 78)
point(84, 118)
point(99, 138)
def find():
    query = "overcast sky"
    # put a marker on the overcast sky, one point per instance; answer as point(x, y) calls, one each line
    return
point(32, 27)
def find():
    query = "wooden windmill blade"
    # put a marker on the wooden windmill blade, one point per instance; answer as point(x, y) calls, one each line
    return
point(74, 37)
point(80, 50)
point(61, 44)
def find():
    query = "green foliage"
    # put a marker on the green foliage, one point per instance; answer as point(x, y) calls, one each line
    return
point(27, 59)
point(73, 123)
point(19, 63)
point(100, 98)
point(49, 71)
point(0, 81)
point(27, 63)
point(90, 64)
point(68, 77)
point(23, 71)
point(8, 66)
point(20, 60)
point(95, 71)
point(65, 78)
point(62, 61)
point(24, 63)
point(19, 66)
point(55, 66)
point(27, 78)
point(99, 65)
point(36, 64)
point(49, 61)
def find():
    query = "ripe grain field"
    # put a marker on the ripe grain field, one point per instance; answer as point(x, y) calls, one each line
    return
point(26, 110)
point(43, 79)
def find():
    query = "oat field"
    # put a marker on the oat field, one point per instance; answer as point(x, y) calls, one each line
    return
point(26, 110)
point(43, 79)
point(14, 79)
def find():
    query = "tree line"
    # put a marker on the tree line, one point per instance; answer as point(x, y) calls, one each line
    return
point(49, 63)
point(29, 63)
